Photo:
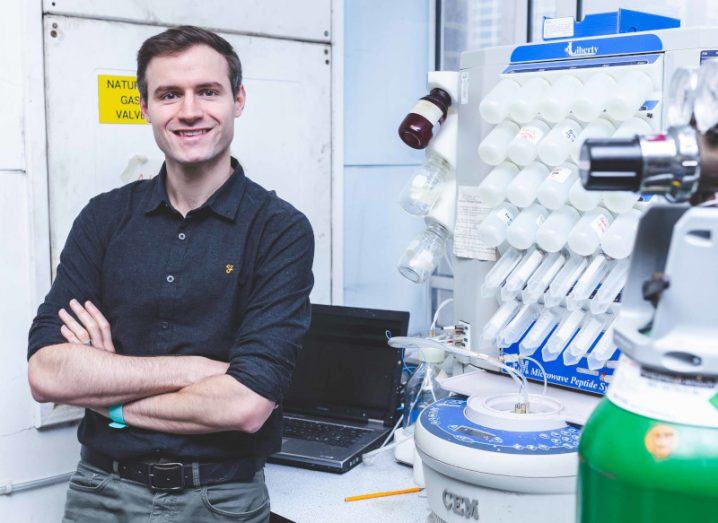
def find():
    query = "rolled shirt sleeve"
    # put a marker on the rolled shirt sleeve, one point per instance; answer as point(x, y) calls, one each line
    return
point(278, 312)
point(78, 276)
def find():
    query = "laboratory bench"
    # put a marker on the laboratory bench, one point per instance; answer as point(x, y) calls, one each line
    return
point(308, 496)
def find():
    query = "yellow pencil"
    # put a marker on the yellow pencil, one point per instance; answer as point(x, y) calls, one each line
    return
point(384, 494)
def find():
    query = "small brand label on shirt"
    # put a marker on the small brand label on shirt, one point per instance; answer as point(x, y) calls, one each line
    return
point(428, 110)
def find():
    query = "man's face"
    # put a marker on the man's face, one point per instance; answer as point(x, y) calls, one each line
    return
point(190, 105)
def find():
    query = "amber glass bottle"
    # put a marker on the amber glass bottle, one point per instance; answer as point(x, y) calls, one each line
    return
point(417, 129)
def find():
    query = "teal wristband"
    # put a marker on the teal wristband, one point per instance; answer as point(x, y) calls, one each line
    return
point(118, 421)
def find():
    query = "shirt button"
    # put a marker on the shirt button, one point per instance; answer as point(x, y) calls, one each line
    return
point(181, 236)
point(170, 278)
point(164, 324)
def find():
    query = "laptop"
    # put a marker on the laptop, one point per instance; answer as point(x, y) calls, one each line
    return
point(345, 391)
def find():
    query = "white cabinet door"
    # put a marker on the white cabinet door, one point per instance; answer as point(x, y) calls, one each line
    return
point(303, 19)
point(283, 139)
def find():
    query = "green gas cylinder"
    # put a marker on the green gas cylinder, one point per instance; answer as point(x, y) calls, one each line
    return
point(649, 451)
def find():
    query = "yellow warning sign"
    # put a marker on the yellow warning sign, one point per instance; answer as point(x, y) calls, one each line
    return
point(119, 99)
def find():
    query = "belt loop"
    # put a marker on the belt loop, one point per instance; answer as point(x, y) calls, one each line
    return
point(195, 474)
point(116, 468)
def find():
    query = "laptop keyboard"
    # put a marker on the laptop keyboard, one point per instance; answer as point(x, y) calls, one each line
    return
point(337, 435)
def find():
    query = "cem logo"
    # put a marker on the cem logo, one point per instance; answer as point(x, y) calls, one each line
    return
point(581, 51)
point(461, 506)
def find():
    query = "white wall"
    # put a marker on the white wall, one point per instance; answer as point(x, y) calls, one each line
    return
point(386, 62)
point(25, 454)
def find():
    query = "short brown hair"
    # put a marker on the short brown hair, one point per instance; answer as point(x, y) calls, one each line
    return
point(179, 39)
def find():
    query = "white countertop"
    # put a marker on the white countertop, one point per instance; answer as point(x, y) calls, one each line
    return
point(308, 496)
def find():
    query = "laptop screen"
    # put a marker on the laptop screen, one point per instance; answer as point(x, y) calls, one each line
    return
point(345, 368)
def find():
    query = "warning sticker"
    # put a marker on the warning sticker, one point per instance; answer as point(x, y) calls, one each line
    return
point(118, 99)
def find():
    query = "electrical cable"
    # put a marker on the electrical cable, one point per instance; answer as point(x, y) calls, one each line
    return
point(438, 310)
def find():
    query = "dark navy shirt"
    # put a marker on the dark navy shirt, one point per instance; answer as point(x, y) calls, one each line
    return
point(230, 281)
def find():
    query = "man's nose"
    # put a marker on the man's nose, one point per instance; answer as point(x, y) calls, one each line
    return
point(190, 108)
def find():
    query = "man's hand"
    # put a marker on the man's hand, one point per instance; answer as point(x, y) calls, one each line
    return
point(94, 331)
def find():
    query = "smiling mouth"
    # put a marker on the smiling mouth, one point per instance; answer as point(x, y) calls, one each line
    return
point(193, 132)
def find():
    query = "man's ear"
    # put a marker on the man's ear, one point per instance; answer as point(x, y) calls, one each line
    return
point(239, 101)
point(143, 108)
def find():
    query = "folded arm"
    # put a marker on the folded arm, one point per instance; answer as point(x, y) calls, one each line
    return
point(76, 374)
point(215, 404)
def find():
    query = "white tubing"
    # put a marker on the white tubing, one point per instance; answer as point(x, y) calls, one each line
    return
point(410, 342)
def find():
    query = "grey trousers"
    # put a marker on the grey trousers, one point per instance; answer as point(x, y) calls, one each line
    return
point(97, 496)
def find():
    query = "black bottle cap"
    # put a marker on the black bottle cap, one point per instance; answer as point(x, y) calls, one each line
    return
point(611, 164)
point(442, 95)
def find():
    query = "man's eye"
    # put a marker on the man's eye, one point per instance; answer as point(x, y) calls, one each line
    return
point(208, 92)
point(168, 96)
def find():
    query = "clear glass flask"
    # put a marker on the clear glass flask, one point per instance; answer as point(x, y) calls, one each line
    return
point(421, 192)
point(424, 253)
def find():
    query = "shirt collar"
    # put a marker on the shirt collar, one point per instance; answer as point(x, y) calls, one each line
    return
point(224, 201)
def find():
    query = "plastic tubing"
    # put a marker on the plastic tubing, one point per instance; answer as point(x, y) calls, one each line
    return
point(411, 342)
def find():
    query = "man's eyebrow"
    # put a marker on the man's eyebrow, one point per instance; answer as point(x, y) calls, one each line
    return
point(213, 85)
point(206, 85)
point(165, 88)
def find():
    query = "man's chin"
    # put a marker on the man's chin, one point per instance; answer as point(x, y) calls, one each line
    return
point(194, 160)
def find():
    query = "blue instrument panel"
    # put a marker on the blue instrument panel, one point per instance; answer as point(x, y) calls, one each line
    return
point(445, 419)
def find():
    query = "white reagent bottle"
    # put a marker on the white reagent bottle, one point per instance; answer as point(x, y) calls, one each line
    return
point(594, 96)
point(556, 146)
point(492, 230)
point(619, 238)
point(553, 233)
point(632, 127)
point(492, 149)
point(525, 106)
point(523, 149)
point(521, 234)
point(492, 189)
point(619, 202)
point(494, 108)
point(522, 190)
point(554, 190)
point(582, 199)
point(555, 106)
point(631, 91)
point(585, 238)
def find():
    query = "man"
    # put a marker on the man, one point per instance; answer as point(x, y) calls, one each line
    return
point(177, 311)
